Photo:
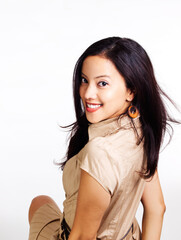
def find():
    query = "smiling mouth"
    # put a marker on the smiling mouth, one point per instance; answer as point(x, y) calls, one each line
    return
point(92, 107)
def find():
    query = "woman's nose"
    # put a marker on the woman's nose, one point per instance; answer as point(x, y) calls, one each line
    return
point(90, 92)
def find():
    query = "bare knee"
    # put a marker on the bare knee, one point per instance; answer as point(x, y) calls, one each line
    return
point(37, 202)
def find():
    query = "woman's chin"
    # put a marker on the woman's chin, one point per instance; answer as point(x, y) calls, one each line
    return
point(93, 119)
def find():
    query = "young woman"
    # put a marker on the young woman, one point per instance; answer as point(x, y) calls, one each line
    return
point(111, 162)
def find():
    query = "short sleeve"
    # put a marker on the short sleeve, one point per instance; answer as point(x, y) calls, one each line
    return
point(96, 161)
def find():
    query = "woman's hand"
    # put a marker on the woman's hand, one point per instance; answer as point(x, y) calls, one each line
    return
point(154, 208)
point(92, 202)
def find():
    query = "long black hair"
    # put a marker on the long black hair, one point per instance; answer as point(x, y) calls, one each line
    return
point(133, 63)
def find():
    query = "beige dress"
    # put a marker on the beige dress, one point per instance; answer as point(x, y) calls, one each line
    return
point(112, 157)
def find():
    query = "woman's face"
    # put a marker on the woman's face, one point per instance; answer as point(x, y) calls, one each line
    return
point(103, 90)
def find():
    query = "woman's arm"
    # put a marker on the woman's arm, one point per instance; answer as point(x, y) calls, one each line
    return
point(154, 208)
point(92, 202)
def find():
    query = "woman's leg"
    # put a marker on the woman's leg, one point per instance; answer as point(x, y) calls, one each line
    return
point(37, 202)
point(45, 219)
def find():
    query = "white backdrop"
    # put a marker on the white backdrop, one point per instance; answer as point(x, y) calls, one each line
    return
point(40, 42)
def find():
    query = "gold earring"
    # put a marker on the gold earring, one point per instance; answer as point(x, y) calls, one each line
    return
point(133, 111)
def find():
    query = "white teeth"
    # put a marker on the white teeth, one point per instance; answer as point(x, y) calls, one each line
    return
point(93, 106)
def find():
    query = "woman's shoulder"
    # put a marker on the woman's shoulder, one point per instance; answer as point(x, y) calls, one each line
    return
point(93, 147)
point(117, 147)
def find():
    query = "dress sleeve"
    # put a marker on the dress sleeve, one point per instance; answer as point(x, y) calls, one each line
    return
point(96, 161)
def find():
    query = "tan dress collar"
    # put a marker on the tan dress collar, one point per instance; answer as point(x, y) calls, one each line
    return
point(112, 125)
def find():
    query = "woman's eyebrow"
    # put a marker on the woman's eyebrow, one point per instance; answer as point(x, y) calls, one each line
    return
point(103, 76)
point(98, 76)
point(83, 74)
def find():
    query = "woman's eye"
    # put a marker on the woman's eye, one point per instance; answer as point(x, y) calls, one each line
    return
point(83, 80)
point(102, 84)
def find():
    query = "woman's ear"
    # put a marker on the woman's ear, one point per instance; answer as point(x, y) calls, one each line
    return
point(130, 95)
